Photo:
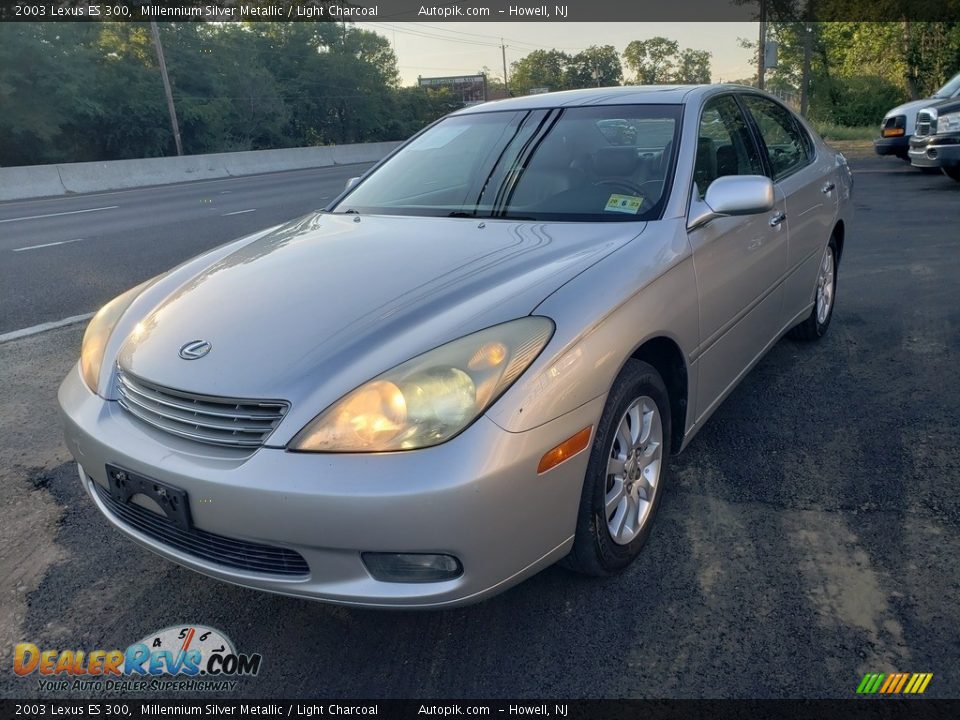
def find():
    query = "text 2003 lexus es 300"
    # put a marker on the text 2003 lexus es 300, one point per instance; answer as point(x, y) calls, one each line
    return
point(476, 361)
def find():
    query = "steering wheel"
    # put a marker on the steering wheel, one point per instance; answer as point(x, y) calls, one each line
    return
point(631, 187)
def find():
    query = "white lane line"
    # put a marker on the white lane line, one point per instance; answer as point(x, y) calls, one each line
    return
point(43, 327)
point(239, 212)
point(70, 212)
point(37, 247)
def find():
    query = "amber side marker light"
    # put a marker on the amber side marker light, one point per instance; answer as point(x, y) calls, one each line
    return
point(565, 450)
point(893, 132)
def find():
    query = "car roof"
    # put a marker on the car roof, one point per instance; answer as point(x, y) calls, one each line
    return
point(621, 95)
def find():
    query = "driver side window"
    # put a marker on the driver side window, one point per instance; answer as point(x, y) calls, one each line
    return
point(724, 144)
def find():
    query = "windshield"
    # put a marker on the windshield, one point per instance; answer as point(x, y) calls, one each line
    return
point(950, 89)
point(608, 163)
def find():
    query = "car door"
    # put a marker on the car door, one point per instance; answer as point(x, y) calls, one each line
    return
point(808, 183)
point(739, 261)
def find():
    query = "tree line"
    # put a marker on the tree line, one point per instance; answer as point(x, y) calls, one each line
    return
point(644, 62)
point(73, 92)
point(856, 71)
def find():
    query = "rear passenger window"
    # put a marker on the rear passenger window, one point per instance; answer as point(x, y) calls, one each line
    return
point(724, 144)
point(788, 146)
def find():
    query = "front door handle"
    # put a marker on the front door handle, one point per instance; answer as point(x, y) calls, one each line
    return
point(828, 188)
point(777, 218)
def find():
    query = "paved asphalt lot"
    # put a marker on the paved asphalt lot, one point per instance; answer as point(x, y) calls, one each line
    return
point(808, 535)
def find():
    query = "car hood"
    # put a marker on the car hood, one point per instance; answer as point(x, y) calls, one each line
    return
point(320, 305)
point(909, 109)
point(948, 105)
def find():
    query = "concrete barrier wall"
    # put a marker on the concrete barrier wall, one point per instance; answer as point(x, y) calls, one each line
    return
point(18, 183)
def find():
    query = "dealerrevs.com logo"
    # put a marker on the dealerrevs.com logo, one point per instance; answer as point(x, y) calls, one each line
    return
point(185, 657)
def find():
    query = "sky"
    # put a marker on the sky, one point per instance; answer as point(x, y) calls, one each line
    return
point(437, 49)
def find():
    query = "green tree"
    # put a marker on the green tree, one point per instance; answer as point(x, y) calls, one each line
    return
point(693, 67)
point(541, 68)
point(92, 91)
point(597, 66)
point(652, 61)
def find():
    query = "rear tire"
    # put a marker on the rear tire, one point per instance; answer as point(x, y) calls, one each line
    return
point(625, 474)
point(816, 324)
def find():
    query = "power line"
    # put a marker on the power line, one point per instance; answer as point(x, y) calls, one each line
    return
point(432, 30)
point(513, 41)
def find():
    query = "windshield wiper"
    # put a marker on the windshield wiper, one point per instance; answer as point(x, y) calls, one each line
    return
point(460, 213)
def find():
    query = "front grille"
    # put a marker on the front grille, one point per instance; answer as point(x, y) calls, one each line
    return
point(217, 549)
point(926, 124)
point(230, 422)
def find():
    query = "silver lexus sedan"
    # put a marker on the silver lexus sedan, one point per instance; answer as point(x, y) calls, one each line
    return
point(474, 363)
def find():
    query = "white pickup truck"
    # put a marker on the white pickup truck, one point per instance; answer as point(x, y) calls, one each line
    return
point(899, 124)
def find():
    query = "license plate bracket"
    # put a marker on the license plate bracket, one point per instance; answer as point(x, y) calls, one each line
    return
point(172, 500)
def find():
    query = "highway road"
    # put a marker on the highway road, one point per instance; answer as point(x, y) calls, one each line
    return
point(809, 534)
point(66, 256)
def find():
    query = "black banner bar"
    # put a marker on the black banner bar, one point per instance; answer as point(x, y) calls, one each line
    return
point(860, 709)
point(478, 10)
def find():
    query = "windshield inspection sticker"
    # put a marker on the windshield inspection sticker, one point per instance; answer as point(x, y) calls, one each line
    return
point(624, 203)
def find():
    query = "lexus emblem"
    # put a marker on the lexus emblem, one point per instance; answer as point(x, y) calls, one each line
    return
point(195, 349)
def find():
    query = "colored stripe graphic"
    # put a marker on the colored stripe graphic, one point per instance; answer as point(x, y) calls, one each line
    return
point(870, 683)
point(918, 683)
point(894, 683)
point(903, 681)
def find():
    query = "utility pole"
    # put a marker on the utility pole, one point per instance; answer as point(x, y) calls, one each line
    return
point(155, 32)
point(503, 54)
point(805, 79)
point(762, 45)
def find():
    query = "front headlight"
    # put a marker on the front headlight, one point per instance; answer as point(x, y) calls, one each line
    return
point(98, 333)
point(429, 399)
point(949, 123)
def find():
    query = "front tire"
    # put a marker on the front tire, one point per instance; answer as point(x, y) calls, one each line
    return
point(625, 474)
point(816, 324)
point(952, 172)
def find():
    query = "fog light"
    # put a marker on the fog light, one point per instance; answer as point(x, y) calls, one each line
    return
point(412, 567)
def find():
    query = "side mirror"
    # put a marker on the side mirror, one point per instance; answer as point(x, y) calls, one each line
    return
point(734, 195)
point(351, 182)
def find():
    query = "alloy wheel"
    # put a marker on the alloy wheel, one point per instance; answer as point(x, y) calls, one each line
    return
point(825, 287)
point(633, 470)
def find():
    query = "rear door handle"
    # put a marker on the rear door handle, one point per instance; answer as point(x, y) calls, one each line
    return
point(778, 218)
point(828, 188)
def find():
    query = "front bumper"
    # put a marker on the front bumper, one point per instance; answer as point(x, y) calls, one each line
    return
point(935, 151)
point(477, 497)
point(898, 146)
